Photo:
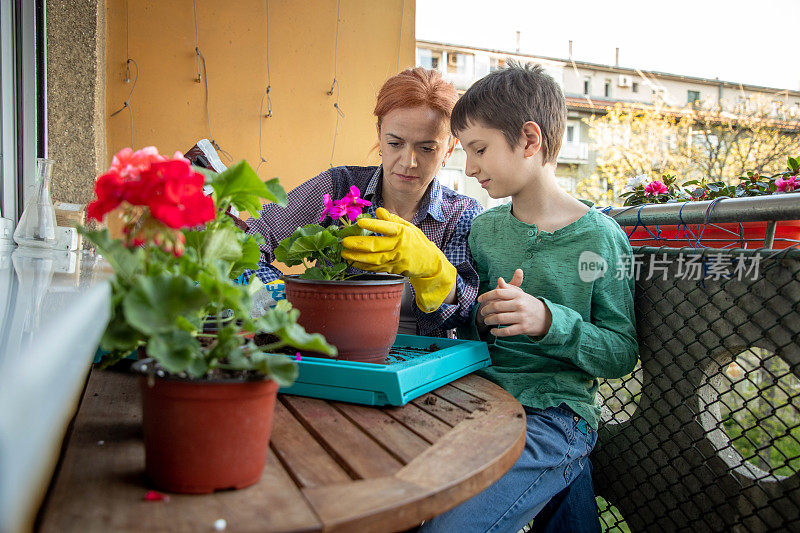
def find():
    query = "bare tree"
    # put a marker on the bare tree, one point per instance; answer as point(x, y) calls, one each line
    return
point(697, 142)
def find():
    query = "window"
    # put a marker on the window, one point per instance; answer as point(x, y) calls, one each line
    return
point(586, 85)
point(434, 63)
point(423, 57)
point(570, 133)
point(607, 90)
point(461, 64)
point(692, 97)
point(22, 136)
point(635, 86)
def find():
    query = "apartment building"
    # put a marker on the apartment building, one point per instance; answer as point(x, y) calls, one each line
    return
point(591, 89)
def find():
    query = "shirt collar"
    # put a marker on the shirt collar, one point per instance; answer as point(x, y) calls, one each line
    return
point(431, 203)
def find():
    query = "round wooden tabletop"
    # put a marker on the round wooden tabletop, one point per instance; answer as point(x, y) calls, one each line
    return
point(332, 466)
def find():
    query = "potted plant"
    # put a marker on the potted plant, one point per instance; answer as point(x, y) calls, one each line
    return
point(207, 390)
point(642, 190)
point(356, 312)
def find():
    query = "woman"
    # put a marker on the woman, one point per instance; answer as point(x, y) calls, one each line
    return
point(426, 238)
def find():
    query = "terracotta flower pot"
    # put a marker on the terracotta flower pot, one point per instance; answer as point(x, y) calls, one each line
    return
point(202, 436)
point(359, 316)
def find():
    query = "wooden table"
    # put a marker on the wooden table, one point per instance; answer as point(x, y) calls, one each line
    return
point(331, 467)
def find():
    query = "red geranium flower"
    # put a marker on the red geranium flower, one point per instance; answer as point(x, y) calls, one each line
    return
point(110, 192)
point(176, 197)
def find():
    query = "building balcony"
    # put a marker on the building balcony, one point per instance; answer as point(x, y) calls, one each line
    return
point(574, 153)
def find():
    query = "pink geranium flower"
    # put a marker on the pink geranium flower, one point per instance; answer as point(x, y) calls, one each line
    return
point(655, 188)
point(787, 185)
point(333, 209)
point(353, 204)
point(128, 163)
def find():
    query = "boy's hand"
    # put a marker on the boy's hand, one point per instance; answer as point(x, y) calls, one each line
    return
point(509, 305)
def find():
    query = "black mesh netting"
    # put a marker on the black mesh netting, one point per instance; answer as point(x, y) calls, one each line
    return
point(705, 434)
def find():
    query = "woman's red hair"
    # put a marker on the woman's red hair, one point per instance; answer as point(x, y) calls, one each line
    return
point(416, 87)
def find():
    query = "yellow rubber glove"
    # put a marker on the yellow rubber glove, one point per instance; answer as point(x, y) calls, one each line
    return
point(403, 250)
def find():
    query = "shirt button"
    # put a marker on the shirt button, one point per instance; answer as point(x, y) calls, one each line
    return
point(529, 255)
point(530, 233)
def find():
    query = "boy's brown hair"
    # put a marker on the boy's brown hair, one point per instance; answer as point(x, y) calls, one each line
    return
point(508, 98)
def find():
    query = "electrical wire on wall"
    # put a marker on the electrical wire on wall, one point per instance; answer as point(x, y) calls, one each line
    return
point(400, 38)
point(128, 62)
point(264, 98)
point(202, 77)
point(335, 85)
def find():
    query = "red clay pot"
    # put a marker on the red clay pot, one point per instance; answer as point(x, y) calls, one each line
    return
point(202, 436)
point(359, 316)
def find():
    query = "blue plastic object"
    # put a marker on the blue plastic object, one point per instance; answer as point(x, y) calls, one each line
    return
point(100, 353)
point(412, 369)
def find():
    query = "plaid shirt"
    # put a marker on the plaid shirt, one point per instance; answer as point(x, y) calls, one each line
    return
point(444, 216)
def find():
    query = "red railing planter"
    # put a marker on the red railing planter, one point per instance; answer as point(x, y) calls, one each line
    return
point(716, 235)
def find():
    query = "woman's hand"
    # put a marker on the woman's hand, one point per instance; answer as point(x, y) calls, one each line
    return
point(508, 305)
point(403, 249)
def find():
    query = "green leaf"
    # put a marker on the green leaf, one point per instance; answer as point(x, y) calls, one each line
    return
point(278, 367)
point(338, 268)
point(309, 230)
point(175, 350)
point(255, 285)
point(315, 272)
point(222, 243)
point(119, 335)
point(281, 321)
point(242, 187)
point(206, 172)
point(349, 231)
point(308, 245)
point(794, 164)
point(295, 335)
point(126, 262)
point(225, 293)
point(277, 190)
point(249, 257)
point(228, 348)
point(282, 251)
point(154, 303)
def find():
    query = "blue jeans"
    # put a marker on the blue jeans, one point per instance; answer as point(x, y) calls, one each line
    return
point(556, 452)
point(574, 509)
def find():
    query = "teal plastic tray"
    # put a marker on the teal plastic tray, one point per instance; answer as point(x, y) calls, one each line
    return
point(411, 371)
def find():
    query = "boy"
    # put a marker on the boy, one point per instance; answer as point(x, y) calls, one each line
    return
point(564, 318)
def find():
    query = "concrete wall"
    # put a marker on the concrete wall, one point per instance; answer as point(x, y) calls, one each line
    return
point(169, 106)
point(76, 134)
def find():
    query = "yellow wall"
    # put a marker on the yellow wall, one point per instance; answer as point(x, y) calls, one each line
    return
point(169, 106)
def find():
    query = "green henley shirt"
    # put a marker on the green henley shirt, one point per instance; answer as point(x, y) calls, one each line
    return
point(582, 273)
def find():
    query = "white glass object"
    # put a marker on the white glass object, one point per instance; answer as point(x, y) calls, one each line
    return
point(37, 226)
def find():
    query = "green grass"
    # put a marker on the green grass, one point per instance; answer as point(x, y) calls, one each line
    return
point(610, 518)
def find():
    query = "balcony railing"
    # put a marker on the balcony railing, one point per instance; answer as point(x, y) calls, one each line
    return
point(705, 434)
point(574, 153)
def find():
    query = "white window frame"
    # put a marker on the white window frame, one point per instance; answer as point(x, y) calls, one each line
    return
point(19, 104)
